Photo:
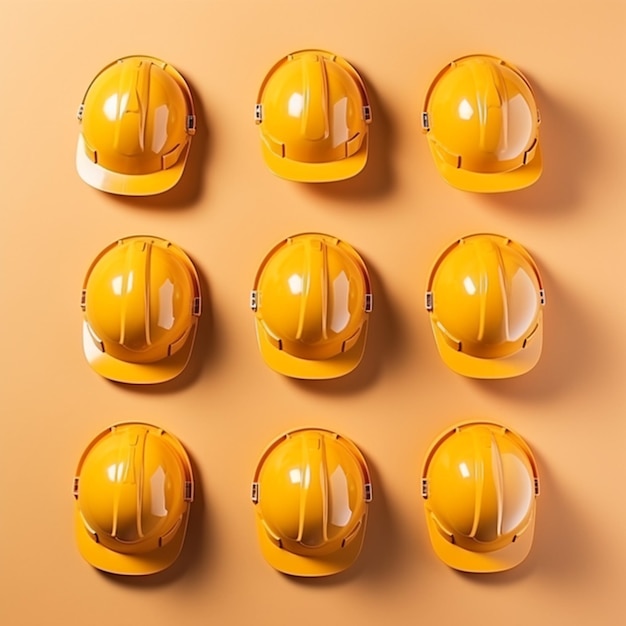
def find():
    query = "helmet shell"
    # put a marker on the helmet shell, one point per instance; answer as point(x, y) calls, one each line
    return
point(485, 298)
point(137, 119)
point(313, 114)
point(480, 483)
point(133, 489)
point(482, 125)
point(141, 299)
point(312, 301)
point(312, 490)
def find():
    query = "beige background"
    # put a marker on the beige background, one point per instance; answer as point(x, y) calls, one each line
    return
point(227, 212)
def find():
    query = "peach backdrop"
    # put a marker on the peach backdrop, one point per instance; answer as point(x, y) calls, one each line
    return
point(226, 213)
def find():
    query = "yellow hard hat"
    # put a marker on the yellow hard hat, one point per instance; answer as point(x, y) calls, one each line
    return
point(141, 302)
point(312, 298)
point(136, 123)
point(313, 111)
point(482, 124)
point(479, 485)
point(311, 490)
point(485, 299)
point(133, 489)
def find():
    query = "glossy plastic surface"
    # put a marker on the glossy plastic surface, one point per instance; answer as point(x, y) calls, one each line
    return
point(486, 307)
point(312, 292)
point(481, 482)
point(483, 125)
point(133, 489)
point(137, 120)
point(313, 114)
point(312, 492)
point(141, 299)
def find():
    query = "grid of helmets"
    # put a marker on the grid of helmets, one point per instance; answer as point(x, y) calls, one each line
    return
point(311, 298)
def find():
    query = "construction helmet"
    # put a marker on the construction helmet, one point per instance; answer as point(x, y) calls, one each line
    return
point(311, 490)
point(479, 485)
point(136, 123)
point(312, 298)
point(141, 302)
point(133, 489)
point(485, 299)
point(482, 125)
point(313, 112)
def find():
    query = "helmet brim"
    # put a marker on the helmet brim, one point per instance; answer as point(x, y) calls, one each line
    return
point(519, 178)
point(481, 562)
point(300, 171)
point(310, 566)
point(126, 184)
point(137, 373)
point(284, 363)
point(473, 367)
point(108, 560)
